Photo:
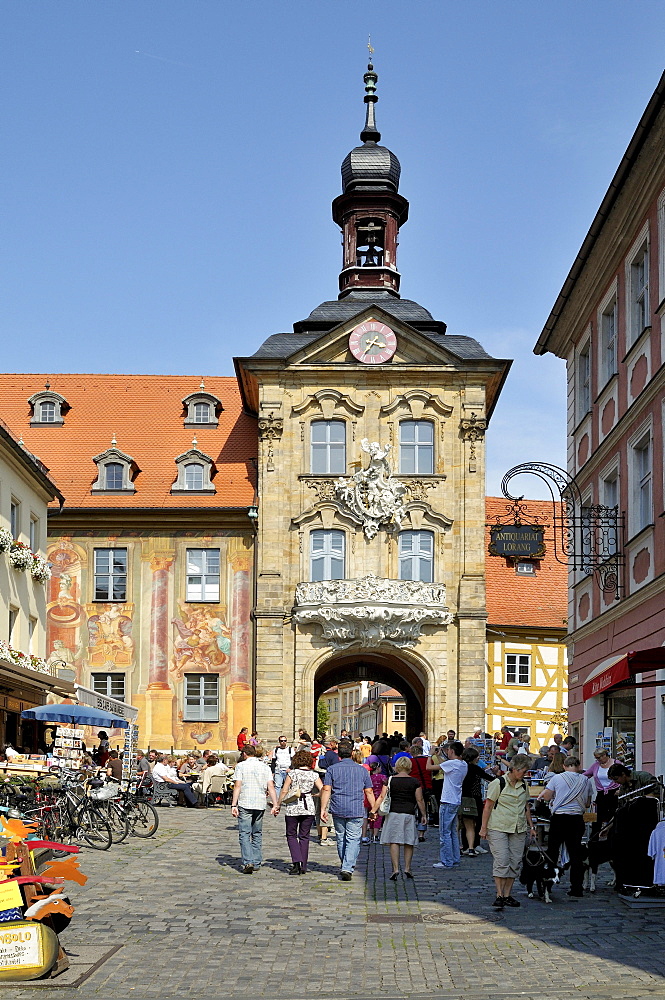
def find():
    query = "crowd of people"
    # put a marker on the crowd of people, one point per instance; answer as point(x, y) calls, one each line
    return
point(387, 790)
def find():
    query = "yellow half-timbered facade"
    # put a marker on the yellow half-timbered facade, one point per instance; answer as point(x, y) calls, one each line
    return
point(527, 671)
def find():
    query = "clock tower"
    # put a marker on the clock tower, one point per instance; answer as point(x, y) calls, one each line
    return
point(370, 561)
point(370, 211)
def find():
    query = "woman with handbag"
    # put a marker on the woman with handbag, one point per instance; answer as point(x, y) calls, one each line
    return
point(296, 797)
point(374, 824)
point(399, 799)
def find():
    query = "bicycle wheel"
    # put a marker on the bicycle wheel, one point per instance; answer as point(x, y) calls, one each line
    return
point(92, 828)
point(143, 819)
point(116, 818)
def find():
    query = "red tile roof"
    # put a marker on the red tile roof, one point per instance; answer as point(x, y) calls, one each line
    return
point(145, 415)
point(525, 601)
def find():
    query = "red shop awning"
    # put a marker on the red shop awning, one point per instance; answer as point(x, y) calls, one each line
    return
point(626, 667)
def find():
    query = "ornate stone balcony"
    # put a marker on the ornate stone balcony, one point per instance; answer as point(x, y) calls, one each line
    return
point(371, 610)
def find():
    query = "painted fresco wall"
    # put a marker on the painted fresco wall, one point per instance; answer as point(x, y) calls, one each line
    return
point(156, 637)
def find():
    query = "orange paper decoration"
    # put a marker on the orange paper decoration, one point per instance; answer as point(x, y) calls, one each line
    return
point(15, 829)
point(67, 868)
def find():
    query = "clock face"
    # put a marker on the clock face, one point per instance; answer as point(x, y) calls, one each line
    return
point(372, 343)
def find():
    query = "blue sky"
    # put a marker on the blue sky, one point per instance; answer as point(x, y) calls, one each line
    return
point(169, 167)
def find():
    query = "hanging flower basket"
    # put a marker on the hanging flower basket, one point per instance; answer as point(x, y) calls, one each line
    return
point(26, 660)
point(20, 555)
point(6, 539)
point(40, 569)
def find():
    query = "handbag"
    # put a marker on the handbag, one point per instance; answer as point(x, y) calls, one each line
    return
point(469, 806)
point(293, 794)
point(384, 808)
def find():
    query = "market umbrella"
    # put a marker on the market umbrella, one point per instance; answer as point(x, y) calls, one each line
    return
point(82, 714)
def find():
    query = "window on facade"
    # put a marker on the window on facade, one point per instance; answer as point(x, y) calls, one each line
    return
point(642, 513)
point(113, 476)
point(201, 698)
point(32, 625)
point(610, 494)
point(14, 518)
point(639, 293)
point(416, 555)
point(525, 568)
point(327, 554)
point(201, 413)
point(518, 668)
point(608, 322)
point(13, 620)
point(47, 412)
point(110, 575)
point(328, 445)
point(203, 575)
point(399, 712)
point(416, 447)
point(586, 534)
point(109, 685)
point(34, 533)
point(584, 381)
point(194, 476)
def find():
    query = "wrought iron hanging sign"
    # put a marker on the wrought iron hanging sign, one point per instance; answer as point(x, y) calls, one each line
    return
point(587, 537)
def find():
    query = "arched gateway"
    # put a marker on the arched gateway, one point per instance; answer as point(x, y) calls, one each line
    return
point(370, 531)
point(384, 668)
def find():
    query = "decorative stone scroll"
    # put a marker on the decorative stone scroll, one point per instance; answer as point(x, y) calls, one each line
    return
point(270, 430)
point(372, 495)
point(472, 430)
point(371, 610)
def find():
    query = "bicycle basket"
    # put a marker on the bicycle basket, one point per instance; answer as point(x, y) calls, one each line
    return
point(104, 793)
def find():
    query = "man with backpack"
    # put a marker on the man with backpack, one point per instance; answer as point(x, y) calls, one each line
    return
point(280, 762)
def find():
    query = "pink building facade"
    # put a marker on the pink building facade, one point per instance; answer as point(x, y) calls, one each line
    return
point(608, 324)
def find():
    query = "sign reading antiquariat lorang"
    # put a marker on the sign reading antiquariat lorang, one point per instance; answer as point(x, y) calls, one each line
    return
point(517, 541)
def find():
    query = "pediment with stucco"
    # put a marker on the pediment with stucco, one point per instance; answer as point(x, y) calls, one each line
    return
point(329, 402)
point(417, 402)
point(413, 347)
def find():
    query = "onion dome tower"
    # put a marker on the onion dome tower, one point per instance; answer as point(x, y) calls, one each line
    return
point(370, 210)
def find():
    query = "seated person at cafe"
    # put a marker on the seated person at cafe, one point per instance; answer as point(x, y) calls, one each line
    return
point(142, 762)
point(215, 767)
point(166, 772)
point(188, 765)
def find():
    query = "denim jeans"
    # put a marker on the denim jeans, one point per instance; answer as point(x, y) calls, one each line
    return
point(448, 840)
point(250, 828)
point(278, 778)
point(349, 832)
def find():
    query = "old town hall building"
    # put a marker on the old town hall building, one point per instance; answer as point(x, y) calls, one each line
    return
point(231, 548)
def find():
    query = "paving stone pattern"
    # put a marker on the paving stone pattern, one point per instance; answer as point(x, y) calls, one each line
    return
point(189, 924)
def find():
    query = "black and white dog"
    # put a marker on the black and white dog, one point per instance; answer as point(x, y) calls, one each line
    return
point(539, 871)
point(596, 853)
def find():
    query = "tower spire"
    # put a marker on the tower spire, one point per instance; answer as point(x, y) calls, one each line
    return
point(370, 133)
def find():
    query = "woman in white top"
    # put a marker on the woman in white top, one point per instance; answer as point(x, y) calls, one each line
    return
point(299, 811)
point(606, 789)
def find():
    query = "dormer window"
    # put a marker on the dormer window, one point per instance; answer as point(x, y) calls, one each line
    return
point(194, 473)
point(194, 476)
point(202, 413)
point(47, 412)
point(115, 472)
point(202, 409)
point(48, 408)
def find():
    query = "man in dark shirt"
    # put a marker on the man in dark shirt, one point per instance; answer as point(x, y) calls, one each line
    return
point(329, 755)
point(344, 786)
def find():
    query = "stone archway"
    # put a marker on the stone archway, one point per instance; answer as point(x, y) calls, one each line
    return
point(384, 668)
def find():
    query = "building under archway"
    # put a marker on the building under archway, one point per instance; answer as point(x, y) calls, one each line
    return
point(384, 669)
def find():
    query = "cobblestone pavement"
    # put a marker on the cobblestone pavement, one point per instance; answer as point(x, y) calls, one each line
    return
point(189, 924)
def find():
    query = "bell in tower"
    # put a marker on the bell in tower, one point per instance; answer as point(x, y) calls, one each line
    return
point(370, 211)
